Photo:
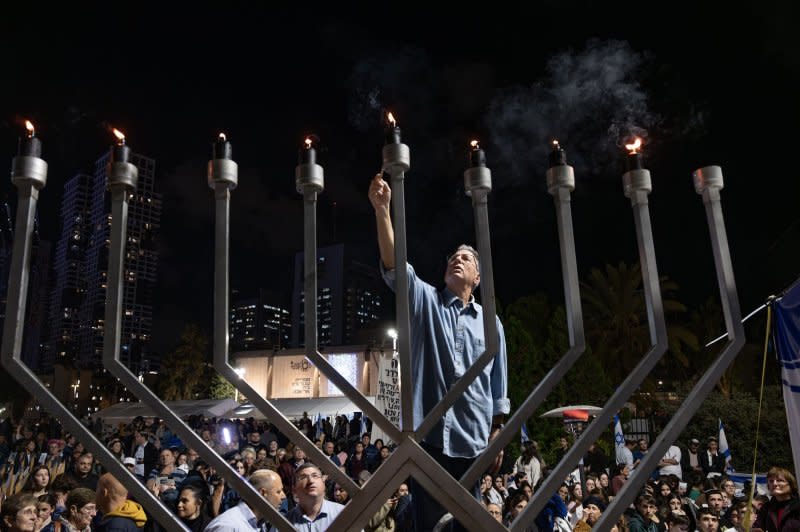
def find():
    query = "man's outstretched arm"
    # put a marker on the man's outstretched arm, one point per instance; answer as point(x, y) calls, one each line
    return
point(380, 195)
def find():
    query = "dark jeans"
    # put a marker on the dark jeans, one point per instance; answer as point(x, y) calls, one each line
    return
point(427, 510)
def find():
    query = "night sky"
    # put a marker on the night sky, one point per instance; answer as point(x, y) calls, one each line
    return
point(699, 90)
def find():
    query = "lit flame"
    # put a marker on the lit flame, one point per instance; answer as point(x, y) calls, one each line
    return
point(30, 128)
point(120, 136)
point(635, 146)
point(556, 144)
point(390, 118)
point(308, 142)
point(222, 137)
point(475, 144)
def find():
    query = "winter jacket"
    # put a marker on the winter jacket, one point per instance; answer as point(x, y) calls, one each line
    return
point(129, 517)
point(779, 516)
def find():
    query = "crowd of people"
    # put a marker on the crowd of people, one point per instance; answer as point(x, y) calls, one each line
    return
point(50, 482)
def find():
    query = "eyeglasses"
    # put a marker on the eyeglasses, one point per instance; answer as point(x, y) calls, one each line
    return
point(310, 476)
point(89, 509)
point(465, 256)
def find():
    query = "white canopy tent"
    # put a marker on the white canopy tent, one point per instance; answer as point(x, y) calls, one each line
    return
point(294, 408)
point(125, 412)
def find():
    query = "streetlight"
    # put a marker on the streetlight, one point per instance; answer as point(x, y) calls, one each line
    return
point(75, 387)
point(392, 333)
point(240, 372)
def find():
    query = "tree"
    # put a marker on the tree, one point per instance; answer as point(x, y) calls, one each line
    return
point(536, 339)
point(707, 323)
point(218, 387)
point(739, 414)
point(616, 321)
point(12, 392)
point(182, 370)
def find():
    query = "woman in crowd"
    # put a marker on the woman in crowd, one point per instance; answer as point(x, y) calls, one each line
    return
point(500, 488)
point(340, 494)
point(782, 512)
point(19, 513)
point(191, 506)
point(619, 477)
point(563, 492)
point(38, 482)
point(249, 459)
point(674, 505)
point(604, 483)
point(728, 489)
point(45, 507)
point(591, 484)
point(261, 458)
point(575, 504)
point(356, 462)
point(529, 462)
point(115, 446)
point(81, 509)
point(514, 506)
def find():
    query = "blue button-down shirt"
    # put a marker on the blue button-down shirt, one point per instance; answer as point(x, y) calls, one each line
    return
point(446, 338)
point(240, 518)
point(321, 523)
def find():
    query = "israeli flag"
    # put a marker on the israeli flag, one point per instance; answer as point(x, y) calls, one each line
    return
point(619, 437)
point(363, 424)
point(724, 450)
point(319, 426)
point(786, 334)
point(523, 435)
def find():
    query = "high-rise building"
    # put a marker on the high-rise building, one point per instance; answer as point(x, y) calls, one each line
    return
point(260, 322)
point(36, 304)
point(69, 274)
point(37, 308)
point(6, 245)
point(81, 268)
point(348, 297)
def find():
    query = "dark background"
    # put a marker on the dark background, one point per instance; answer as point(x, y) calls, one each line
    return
point(703, 83)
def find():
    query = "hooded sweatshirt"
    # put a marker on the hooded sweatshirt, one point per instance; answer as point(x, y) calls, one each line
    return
point(128, 517)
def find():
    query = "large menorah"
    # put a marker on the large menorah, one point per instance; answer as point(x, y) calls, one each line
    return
point(29, 175)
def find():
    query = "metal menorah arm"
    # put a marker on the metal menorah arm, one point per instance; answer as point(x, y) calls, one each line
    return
point(396, 162)
point(637, 186)
point(122, 179)
point(572, 302)
point(708, 182)
point(222, 178)
point(29, 175)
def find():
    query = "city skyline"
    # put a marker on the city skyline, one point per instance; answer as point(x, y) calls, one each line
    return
point(503, 76)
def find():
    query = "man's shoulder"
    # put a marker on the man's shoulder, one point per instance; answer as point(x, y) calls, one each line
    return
point(332, 504)
point(231, 517)
point(117, 523)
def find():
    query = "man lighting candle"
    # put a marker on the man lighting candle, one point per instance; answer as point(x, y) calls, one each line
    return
point(447, 337)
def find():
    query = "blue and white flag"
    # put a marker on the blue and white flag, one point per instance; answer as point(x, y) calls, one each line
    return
point(786, 334)
point(523, 434)
point(724, 450)
point(363, 424)
point(619, 437)
point(319, 426)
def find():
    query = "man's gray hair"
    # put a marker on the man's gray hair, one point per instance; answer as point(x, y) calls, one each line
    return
point(467, 247)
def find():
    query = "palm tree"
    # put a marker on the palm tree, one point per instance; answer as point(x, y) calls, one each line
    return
point(616, 321)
